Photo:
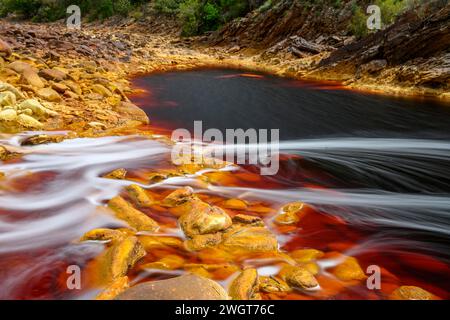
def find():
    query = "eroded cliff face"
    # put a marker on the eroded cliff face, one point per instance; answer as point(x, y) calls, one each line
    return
point(314, 39)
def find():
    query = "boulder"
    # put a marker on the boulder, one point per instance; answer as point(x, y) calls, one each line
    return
point(29, 76)
point(135, 218)
point(299, 277)
point(20, 66)
point(7, 98)
point(132, 112)
point(186, 287)
point(49, 95)
point(53, 74)
point(37, 108)
point(245, 286)
point(5, 49)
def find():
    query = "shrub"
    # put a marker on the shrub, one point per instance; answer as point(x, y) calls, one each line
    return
point(167, 6)
point(122, 7)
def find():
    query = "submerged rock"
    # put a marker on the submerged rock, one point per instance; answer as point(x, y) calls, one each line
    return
point(250, 239)
point(139, 195)
point(118, 174)
point(111, 235)
point(273, 284)
point(178, 197)
point(135, 218)
point(349, 270)
point(245, 286)
point(114, 289)
point(299, 277)
point(186, 287)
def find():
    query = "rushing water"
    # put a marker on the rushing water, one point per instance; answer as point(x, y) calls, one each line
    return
point(374, 168)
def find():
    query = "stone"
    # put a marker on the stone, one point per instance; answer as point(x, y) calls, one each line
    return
point(73, 86)
point(7, 87)
point(53, 74)
point(5, 49)
point(114, 289)
point(20, 66)
point(273, 284)
point(8, 115)
point(101, 234)
point(118, 174)
point(373, 66)
point(30, 77)
point(202, 241)
point(42, 139)
point(250, 239)
point(7, 98)
point(59, 87)
point(135, 218)
point(234, 204)
point(203, 219)
point(139, 196)
point(245, 286)
point(247, 219)
point(186, 287)
point(349, 270)
point(132, 112)
point(27, 121)
point(169, 262)
point(411, 293)
point(299, 277)
point(49, 95)
point(158, 242)
point(121, 257)
point(98, 88)
point(37, 108)
point(306, 255)
point(179, 197)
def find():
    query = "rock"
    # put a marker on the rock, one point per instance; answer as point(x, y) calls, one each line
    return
point(7, 98)
point(411, 293)
point(247, 219)
point(179, 197)
point(250, 239)
point(135, 218)
point(139, 196)
point(7, 87)
point(42, 139)
point(98, 88)
point(373, 66)
point(202, 241)
point(29, 76)
point(59, 87)
point(114, 289)
point(245, 286)
point(203, 218)
point(132, 112)
point(118, 174)
point(20, 66)
point(110, 235)
point(186, 287)
point(157, 242)
point(299, 277)
point(73, 86)
point(306, 255)
point(169, 262)
point(49, 95)
point(273, 284)
point(122, 256)
point(53, 74)
point(290, 214)
point(234, 49)
point(349, 270)
point(37, 108)
point(8, 115)
point(29, 122)
point(234, 204)
point(5, 49)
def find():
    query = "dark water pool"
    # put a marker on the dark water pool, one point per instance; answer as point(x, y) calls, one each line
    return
point(230, 99)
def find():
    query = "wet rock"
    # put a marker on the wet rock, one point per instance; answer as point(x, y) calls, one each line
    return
point(250, 239)
point(122, 256)
point(5, 49)
point(42, 139)
point(114, 289)
point(349, 270)
point(157, 242)
point(49, 95)
point(132, 112)
point(178, 197)
point(139, 196)
point(203, 219)
point(245, 286)
point(169, 262)
point(247, 219)
point(186, 287)
point(53, 74)
point(101, 234)
point(135, 218)
point(306, 255)
point(235, 204)
point(202, 241)
point(7, 98)
point(290, 214)
point(411, 293)
point(37, 108)
point(30, 77)
point(373, 66)
point(299, 277)
point(8, 115)
point(118, 174)
point(273, 284)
